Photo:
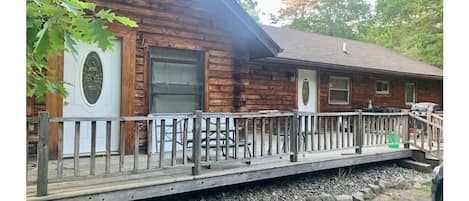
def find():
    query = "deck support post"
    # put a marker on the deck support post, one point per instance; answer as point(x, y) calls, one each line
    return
point(43, 154)
point(359, 141)
point(406, 131)
point(294, 137)
point(197, 144)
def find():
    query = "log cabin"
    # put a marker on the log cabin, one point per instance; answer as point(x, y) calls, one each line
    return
point(189, 55)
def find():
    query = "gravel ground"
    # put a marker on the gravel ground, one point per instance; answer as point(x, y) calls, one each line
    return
point(307, 186)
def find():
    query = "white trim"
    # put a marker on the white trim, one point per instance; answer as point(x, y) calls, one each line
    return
point(405, 96)
point(383, 82)
point(347, 90)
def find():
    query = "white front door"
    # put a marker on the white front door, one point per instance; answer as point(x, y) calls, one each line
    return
point(307, 90)
point(94, 79)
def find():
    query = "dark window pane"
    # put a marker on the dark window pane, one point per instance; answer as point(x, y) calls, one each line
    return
point(338, 96)
point(410, 93)
point(176, 80)
point(335, 83)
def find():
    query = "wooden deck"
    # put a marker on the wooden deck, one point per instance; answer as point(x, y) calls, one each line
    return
point(247, 147)
point(178, 180)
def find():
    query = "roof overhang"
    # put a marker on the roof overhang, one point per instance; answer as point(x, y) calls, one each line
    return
point(328, 66)
point(247, 32)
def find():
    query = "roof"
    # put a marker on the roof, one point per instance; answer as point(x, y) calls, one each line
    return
point(321, 49)
point(250, 35)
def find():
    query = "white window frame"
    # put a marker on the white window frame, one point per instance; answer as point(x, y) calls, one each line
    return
point(415, 91)
point(382, 82)
point(347, 90)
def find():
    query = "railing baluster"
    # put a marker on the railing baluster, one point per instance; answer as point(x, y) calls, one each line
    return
point(246, 129)
point(122, 146)
point(337, 132)
point(107, 168)
point(429, 131)
point(262, 135)
point(278, 134)
point(196, 148)
point(162, 142)
point(217, 151)
point(184, 141)
point(254, 134)
point(325, 132)
point(236, 135)
point(314, 124)
point(76, 157)
point(271, 128)
point(149, 143)
point(93, 149)
point(349, 126)
point(306, 134)
point(295, 132)
point(227, 136)
point(331, 129)
point(359, 135)
point(207, 139)
point(136, 138)
point(60, 145)
point(299, 137)
point(43, 154)
point(286, 142)
point(343, 131)
point(174, 141)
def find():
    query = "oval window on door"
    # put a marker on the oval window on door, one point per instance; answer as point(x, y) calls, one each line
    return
point(92, 78)
point(305, 92)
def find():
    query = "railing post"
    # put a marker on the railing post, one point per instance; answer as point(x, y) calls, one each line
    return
point(406, 131)
point(294, 137)
point(43, 154)
point(196, 148)
point(359, 140)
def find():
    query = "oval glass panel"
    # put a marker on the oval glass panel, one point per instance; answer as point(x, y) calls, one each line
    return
point(92, 77)
point(305, 91)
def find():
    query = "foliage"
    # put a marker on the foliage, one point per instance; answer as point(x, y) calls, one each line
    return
point(54, 26)
point(250, 6)
point(414, 28)
point(330, 17)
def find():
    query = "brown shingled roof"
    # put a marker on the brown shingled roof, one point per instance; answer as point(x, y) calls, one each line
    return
point(313, 47)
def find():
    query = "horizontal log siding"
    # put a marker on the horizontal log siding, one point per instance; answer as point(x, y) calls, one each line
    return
point(180, 24)
point(363, 90)
point(267, 87)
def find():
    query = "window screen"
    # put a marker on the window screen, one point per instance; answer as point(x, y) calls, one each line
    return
point(382, 87)
point(410, 93)
point(176, 80)
point(339, 90)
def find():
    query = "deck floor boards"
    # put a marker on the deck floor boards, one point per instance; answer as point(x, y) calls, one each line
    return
point(179, 179)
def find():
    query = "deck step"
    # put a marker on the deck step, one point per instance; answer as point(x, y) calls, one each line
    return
point(423, 167)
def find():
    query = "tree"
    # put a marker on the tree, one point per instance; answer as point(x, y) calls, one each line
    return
point(342, 18)
point(250, 6)
point(53, 26)
point(414, 28)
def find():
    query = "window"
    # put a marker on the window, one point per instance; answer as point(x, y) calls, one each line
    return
point(339, 90)
point(409, 93)
point(382, 87)
point(177, 80)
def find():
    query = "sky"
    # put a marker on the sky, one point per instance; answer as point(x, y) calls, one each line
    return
point(272, 6)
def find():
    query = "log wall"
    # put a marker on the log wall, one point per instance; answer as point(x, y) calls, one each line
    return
point(362, 89)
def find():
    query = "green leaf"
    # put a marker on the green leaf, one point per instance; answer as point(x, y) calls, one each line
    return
point(70, 44)
point(126, 21)
point(70, 7)
point(41, 47)
point(101, 35)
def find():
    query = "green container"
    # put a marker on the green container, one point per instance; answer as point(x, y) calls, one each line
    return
point(393, 141)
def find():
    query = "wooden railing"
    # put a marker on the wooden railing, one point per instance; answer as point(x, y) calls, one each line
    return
point(427, 133)
point(199, 139)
